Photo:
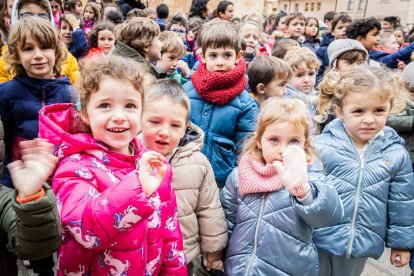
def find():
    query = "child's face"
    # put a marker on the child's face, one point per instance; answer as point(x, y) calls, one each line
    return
point(168, 63)
point(33, 10)
point(340, 29)
point(55, 7)
point(296, 28)
point(390, 46)
point(344, 65)
point(251, 35)
point(387, 25)
point(161, 128)
point(88, 14)
point(100, 4)
point(277, 137)
point(221, 59)
point(304, 79)
point(153, 52)
point(399, 36)
point(37, 60)
point(78, 8)
point(370, 41)
point(275, 88)
point(228, 13)
point(9, 7)
point(179, 30)
point(65, 32)
point(281, 25)
point(114, 117)
point(311, 28)
point(364, 115)
point(106, 41)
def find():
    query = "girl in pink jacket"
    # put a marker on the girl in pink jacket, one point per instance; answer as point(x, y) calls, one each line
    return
point(117, 206)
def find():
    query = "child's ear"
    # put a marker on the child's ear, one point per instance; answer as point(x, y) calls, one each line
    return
point(260, 88)
point(84, 117)
point(203, 58)
point(239, 56)
point(258, 143)
point(338, 112)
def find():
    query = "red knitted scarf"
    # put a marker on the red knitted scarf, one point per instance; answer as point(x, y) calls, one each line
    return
point(220, 88)
point(254, 177)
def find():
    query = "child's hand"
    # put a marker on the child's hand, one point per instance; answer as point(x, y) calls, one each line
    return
point(184, 68)
point(190, 36)
point(400, 64)
point(294, 171)
point(213, 260)
point(151, 171)
point(399, 257)
point(73, 21)
point(37, 164)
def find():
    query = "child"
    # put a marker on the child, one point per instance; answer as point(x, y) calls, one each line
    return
point(162, 16)
point(35, 55)
point(139, 39)
point(200, 213)
point(225, 10)
point(217, 91)
point(73, 35)
point(57, 11)
point(400, 36)
point(117, 206)
point(251, 33)
point(389, 23)
point(346, 54)
point(268, 77)
point(304, 64)
point(370, 169)
point(91, 14)
point(33, 210)
point(272, 207)
point(295, 26)
point(282, 46)
point(102, 40)
point(172, 51)
point(312, 34)
point(74, 6)
point(388, 43)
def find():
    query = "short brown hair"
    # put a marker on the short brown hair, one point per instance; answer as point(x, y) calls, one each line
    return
point(294, 15)
point(263, 69)
point(340, 17)
point(138, 33)
point(302, 57)
point(220, 34)
point(43, 32)
point(172, 43)
point(101, 26)
point(282, 46)
point(41, 4)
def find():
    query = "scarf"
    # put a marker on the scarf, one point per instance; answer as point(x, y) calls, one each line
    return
point(220, 88)
point(254, 177)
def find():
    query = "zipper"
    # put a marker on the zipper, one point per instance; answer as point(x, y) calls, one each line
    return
point(361, 170)
point(255, 235)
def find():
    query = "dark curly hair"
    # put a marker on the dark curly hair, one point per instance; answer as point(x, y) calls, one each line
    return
point(177, 19)
point(361, 27)
point(197, 8)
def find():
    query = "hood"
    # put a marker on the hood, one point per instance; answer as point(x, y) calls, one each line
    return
point(310, 99)
point(336, 128)
point(49, 86)
point(15, 12)
point(62, 125)
point(327, 39)
point(193, 138)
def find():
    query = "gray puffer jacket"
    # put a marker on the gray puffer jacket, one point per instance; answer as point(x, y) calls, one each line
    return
point(271, 233)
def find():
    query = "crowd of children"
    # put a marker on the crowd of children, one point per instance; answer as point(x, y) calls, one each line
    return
point(203, 144)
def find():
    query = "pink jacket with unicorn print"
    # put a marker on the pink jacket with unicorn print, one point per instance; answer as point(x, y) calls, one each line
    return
point(109, 226)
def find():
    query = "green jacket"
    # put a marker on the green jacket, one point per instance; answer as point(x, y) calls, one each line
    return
point(178, 77)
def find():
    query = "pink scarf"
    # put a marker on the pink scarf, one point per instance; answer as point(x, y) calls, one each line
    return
point(254, 177)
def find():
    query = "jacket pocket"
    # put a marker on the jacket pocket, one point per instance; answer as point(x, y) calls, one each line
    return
point(223, 156)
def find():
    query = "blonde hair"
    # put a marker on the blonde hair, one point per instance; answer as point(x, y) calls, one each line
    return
point(172, 43)
point(138, 33)
point(275, 110)
point(253, 23)
point(302, 57)
point(43, 33)
point(114, 67)
point(335, 87)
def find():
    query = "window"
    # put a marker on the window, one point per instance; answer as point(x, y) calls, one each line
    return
point(296, 7)
point(307, 7)
point(362, 4)
point(312, 6)
point(318, 6)
point(351, 5)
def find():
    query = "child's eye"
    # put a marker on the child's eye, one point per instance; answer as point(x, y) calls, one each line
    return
point(130, 105)
point(176, 125)
point(357, 111)
point(154, 122)
point(212, 55)
point(379, 110)
point(312, 74)
point(27, 49)
point(299, 75)
point(274, 140)
point(294, 142)
point(103, 106)
point(228, 55)
point(45, 47)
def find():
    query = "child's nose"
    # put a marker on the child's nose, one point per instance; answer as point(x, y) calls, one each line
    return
point(163, 133)
point(118, 115)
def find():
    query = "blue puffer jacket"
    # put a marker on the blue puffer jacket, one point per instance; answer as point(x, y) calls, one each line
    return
point(391, 60)
point(377, 192)
point(20, 102)
point(271, 233)
point(224, 126)
point(322, 54)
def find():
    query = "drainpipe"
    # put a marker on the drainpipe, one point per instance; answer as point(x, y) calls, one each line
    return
point(365, 9)
point(336, 4)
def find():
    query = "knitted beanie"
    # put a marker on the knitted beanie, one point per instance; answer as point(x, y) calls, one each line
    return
point(408, 74)
point(340, 46)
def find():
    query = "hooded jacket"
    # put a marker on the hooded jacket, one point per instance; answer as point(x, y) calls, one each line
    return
point(271, 233)
point(199, 209)
point(376, 190)
point(108, 222)
point(20, 102)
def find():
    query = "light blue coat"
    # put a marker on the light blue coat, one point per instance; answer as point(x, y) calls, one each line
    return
point(377, 192)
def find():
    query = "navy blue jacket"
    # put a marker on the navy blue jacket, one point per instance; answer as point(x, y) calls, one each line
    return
point(322, 54)
point(20, 101)
point(79, 46)
point(390, 60)
point(126, 5)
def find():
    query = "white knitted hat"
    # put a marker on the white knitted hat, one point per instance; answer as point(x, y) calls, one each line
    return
point(340, 46)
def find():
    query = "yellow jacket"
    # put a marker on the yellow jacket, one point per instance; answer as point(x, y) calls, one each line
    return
point(70, 68)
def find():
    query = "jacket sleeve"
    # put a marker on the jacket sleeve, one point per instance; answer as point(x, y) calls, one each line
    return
point(404, 54)
point(210, 214)
point(400, 228)
point(79, 46)
point(31, 230)
point(401, 123)
point(174, 261)
point(4, 73)
point(70, 68)
point(320, 54)
point(7, 127)
point(229, 200)
point(96, 217)
point(246, 123)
